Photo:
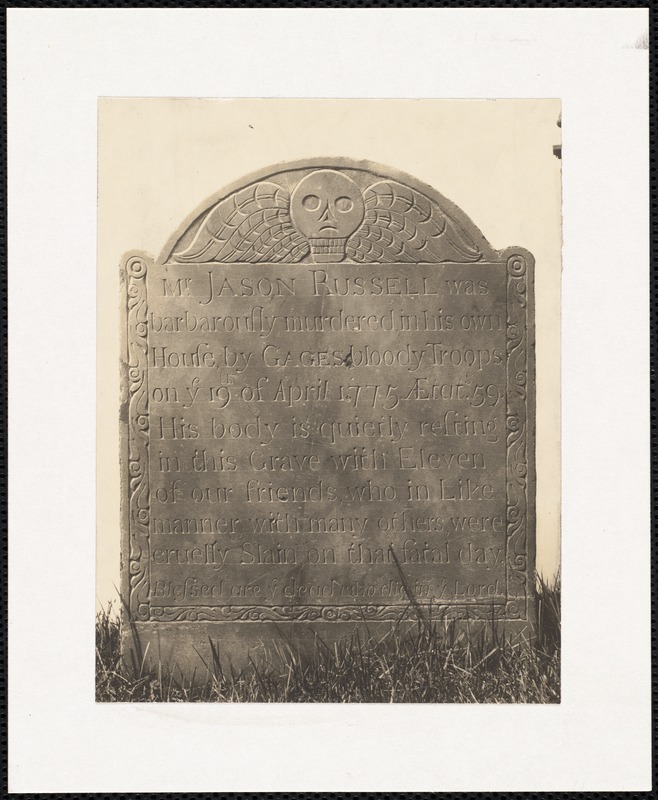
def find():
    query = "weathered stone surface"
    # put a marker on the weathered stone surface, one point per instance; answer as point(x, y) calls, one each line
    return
point(328, 417)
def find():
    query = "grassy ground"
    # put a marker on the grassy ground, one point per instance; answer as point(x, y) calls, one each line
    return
point(432, 664)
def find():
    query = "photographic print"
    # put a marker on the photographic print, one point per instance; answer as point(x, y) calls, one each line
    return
point(330, 402)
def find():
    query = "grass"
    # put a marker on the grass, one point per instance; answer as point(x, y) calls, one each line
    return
point(432, 664)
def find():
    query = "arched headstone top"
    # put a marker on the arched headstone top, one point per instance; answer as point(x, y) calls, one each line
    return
point(328, 210)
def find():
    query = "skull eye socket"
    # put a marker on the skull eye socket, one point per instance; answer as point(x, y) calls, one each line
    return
point(344, 204)
point(311, 202)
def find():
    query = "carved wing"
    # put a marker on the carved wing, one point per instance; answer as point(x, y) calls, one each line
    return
point(401, 224)
point(251, 225)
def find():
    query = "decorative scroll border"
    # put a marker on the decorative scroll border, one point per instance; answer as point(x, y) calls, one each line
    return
point(517, 438)
point(317, 613)
point(138, 439)
point(516, 606)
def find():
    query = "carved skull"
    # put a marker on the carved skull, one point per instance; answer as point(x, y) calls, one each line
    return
point(327, 207)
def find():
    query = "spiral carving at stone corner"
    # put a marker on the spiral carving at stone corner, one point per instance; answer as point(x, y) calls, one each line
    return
point(517, 447)
point(516, 609)
point(138, 437)
point(516, 265)
point(135, 269)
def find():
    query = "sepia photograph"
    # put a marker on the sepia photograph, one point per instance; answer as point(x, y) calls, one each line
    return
point(330, 405)
point(329, 408)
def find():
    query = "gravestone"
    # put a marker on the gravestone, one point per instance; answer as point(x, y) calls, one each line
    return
point(328, 418)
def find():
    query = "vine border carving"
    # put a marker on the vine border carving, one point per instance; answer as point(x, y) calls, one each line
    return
point(138, 438)
point(517, 438)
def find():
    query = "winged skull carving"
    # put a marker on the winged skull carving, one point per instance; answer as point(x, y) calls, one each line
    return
point(328, 216)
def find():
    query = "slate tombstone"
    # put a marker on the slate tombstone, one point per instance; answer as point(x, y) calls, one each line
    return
point(328, 418)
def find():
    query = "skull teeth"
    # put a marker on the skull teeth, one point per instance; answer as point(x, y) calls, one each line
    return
point(328, 245)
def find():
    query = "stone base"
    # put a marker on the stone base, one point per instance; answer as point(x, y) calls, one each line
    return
point(185, 647)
